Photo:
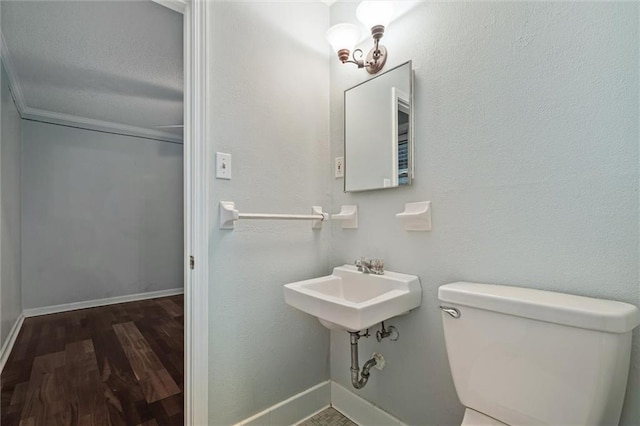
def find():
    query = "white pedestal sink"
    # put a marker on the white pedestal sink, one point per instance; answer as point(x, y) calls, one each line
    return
point(352, 300)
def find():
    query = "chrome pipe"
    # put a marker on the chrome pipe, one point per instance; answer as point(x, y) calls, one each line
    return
point(359, 380)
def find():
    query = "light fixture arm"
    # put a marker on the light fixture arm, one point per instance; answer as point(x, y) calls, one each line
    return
point(375, 59)
point(343, 54)
point(376, 52)
point(377, 31)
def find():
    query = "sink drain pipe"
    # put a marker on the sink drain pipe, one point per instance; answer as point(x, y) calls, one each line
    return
point(359, 382)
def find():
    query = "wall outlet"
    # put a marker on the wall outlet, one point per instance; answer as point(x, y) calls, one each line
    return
point(339, 167)
point(223, 165)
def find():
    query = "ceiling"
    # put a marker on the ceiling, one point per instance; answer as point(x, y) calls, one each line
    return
point(118, 62)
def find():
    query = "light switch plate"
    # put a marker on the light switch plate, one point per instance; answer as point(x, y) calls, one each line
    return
point(339, 167)
point(223, 165)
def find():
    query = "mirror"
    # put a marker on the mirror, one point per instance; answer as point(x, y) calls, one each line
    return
point(378, 134)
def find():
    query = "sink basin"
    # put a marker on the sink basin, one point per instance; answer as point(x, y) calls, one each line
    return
point(353, 301)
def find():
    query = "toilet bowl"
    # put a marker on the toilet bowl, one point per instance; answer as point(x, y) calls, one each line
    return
point(529, 357)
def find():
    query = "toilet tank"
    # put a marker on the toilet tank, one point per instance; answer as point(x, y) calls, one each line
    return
point(532, 357)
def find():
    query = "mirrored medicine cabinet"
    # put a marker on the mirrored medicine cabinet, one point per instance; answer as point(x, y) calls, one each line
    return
point(378, 131)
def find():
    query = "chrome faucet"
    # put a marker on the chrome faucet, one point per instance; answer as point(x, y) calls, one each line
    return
point(373, 266)
point(364, 265)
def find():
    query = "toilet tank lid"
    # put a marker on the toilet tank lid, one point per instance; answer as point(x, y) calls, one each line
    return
point(577, 311)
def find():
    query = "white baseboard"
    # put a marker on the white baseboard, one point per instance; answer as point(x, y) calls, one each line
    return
point(358, 409)
point(11, 340)
point(306, 404)
point(45, 310)
point(295, 409)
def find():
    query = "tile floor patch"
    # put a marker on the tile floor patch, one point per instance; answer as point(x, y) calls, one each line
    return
point(328, 417)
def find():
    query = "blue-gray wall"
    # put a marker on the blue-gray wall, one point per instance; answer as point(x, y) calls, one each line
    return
point(102, 215)
point(526, 126)
point(10, 216)
point(269, 102)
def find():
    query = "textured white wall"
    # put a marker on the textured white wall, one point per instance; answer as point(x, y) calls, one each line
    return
point(102, 215)
point(10, 290)
point(526, 123)
point(269, 93)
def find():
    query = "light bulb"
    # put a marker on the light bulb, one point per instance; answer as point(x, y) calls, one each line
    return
point(372, 13)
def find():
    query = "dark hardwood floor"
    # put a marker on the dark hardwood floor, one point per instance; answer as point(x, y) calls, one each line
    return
point(113, 365)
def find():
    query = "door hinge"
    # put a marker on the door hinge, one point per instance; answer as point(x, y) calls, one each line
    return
point(192, 262)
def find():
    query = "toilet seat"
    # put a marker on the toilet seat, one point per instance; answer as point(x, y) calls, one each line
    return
point(475, 418)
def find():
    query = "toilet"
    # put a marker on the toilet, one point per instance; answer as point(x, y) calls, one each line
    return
point(521, 356)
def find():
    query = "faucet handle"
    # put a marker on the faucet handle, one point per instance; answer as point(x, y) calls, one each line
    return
point(377, 266)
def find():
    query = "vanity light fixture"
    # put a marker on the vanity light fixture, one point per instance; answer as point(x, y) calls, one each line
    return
point(375, 15)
